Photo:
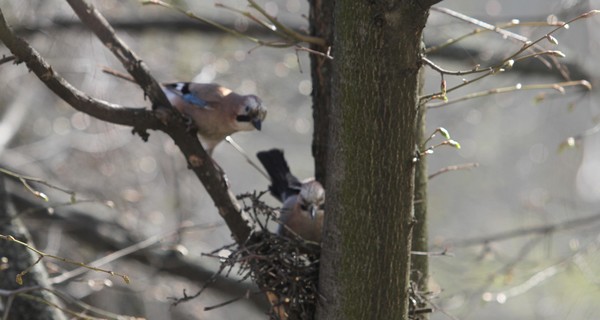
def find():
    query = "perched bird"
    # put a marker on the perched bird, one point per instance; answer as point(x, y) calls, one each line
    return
point(216, 111)
point(302, 211)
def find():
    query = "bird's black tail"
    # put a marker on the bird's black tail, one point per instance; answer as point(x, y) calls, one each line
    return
point(283, 183)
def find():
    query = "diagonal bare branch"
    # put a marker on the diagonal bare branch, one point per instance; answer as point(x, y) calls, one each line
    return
point(94, 20)
point(163, 119)
point(135, 117)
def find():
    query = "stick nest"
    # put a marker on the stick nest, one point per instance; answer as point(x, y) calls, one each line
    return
point(286, 269)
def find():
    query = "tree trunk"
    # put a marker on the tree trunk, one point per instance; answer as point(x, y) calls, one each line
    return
point(370, 169)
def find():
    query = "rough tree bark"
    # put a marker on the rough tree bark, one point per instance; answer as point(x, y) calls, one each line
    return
point(321, 25)
point(370, 170)
point(419, 267)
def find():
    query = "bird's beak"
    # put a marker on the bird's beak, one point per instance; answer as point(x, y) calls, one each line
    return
point(257, 123)
point(313, 211)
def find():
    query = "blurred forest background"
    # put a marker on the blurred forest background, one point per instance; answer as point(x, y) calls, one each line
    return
point(523, 179)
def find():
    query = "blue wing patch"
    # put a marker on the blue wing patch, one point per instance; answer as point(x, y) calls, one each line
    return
point(183, 90)
point(192, 99)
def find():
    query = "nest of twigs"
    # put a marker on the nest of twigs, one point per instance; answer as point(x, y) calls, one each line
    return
point(286, 269)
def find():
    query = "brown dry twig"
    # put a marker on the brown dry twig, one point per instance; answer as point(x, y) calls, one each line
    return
point(464, 166)
point(6, 59)
point(506, 63)
point(287, 36)
point(65, 260)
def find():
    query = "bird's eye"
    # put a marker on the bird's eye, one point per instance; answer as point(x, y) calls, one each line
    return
point(247, 108)
point(243, 118)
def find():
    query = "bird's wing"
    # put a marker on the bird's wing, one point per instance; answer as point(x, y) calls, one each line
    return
point(283, 183)
point(183, 90)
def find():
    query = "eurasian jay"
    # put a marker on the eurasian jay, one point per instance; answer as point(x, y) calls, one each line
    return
point(216, 111)
point(302, 211)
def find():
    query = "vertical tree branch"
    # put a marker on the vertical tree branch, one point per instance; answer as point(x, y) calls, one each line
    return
point(321, 25)
point(420, 242)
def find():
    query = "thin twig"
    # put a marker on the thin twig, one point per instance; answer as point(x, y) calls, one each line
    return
point(250, 16)
point(123, 252)
point(65, 260)
point(503, 64)
point(514, 23)
point(241, 150)
point(6, 59)
point(490, 71)
point(431, 253)
point(453, 168)
point(291, 37)
point(480, 24)
point(434, 66)
point(289, 32)
point(207, 21)
point(76, 315)
point(86, 307)
point(542, 229)
point(25, 181)
point(518, 87)
point(6, 293)
point(118, 74)
point(326, 54)
point(245, 296)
